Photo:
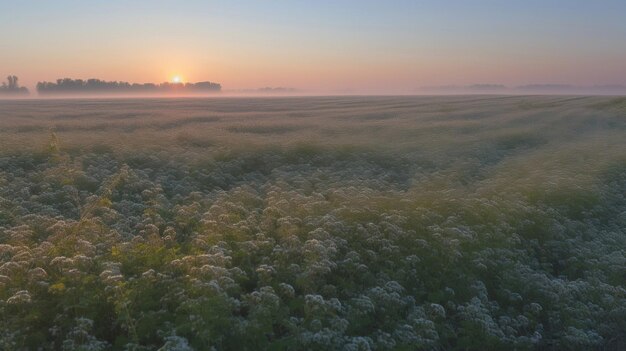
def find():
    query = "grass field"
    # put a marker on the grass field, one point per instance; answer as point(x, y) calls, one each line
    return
point(318, 223)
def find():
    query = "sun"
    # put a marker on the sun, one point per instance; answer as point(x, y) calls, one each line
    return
point(176, 79)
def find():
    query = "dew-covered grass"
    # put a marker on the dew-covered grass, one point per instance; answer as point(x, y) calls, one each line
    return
point(318, 223)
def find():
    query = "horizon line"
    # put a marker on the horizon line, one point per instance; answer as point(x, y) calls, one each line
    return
point(295, 95)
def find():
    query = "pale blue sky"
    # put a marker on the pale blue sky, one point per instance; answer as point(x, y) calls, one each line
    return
point(318, 45)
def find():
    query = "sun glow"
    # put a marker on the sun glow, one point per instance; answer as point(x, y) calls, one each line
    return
point(176, 79)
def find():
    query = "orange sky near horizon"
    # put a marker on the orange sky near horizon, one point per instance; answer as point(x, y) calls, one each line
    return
point(365, 46)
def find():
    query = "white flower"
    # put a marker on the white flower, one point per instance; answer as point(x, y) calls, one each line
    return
point(20, 297)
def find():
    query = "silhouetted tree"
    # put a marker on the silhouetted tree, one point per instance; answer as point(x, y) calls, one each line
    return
point(12, 87)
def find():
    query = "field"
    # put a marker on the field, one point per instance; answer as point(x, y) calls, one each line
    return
point(317, 223)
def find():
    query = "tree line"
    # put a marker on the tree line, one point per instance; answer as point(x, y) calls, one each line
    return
point(96, 86)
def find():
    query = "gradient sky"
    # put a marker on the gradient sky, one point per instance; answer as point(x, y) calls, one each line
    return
point(376, 46)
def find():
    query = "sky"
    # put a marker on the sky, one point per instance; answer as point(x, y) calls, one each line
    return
point(323, 45)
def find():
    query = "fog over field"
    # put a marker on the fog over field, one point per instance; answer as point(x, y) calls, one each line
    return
point(313, 223)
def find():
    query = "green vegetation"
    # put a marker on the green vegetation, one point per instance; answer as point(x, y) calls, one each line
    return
point(390, 223)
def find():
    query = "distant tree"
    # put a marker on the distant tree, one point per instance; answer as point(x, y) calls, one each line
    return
point(12, 87)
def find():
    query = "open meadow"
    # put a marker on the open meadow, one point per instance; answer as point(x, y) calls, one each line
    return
point(313, 223)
